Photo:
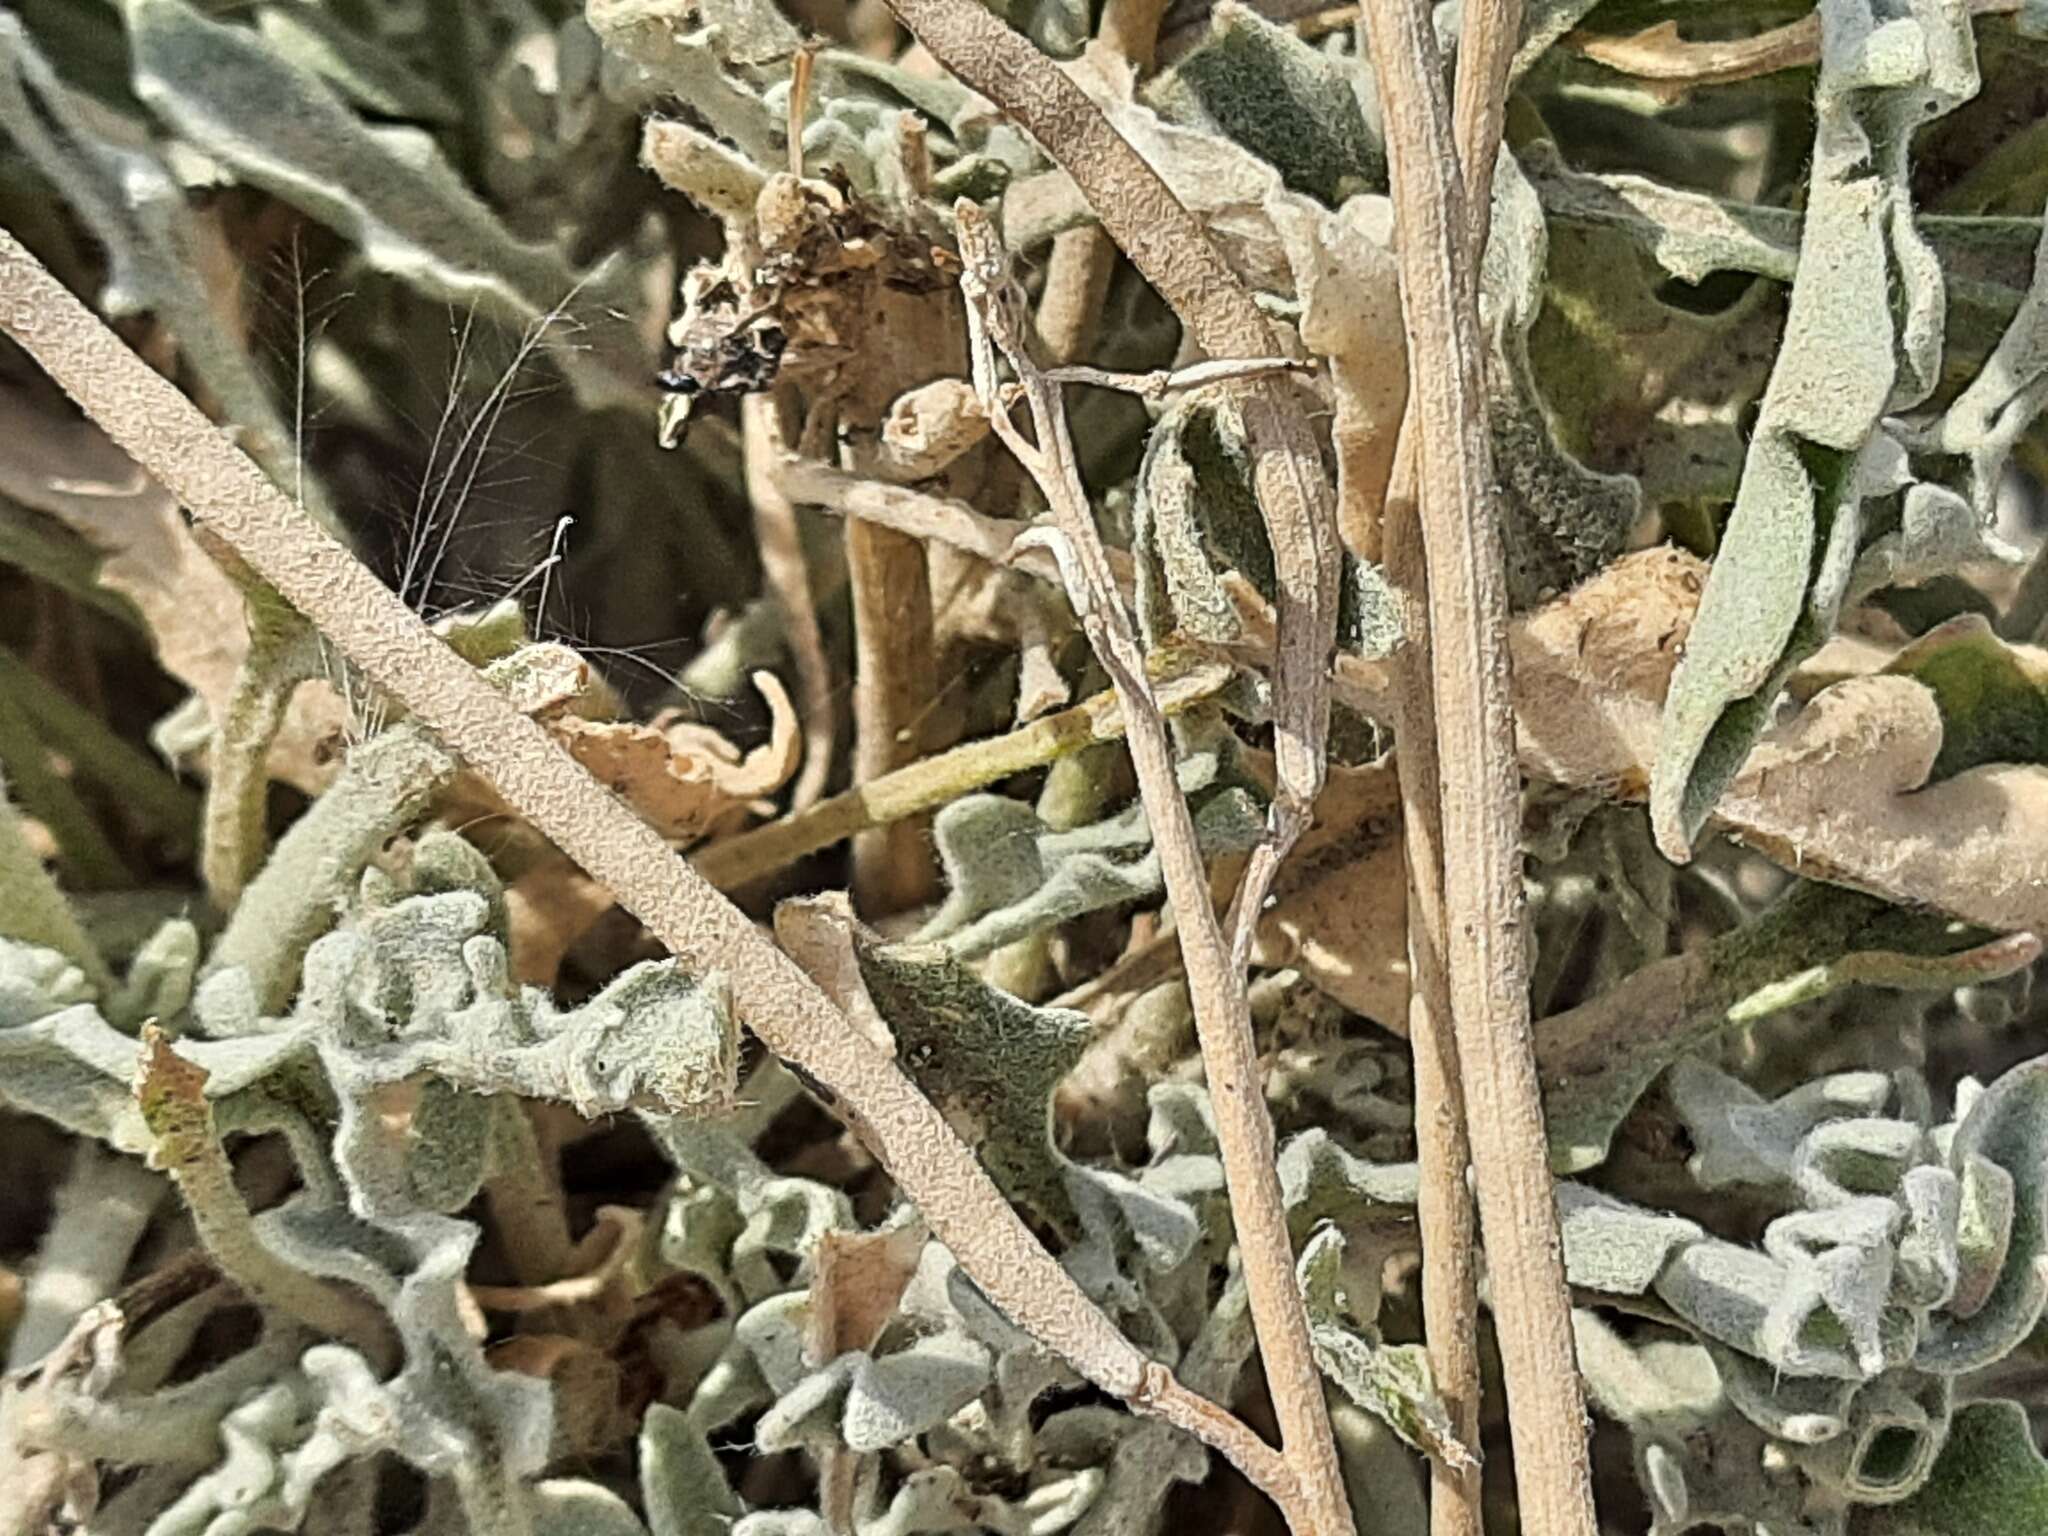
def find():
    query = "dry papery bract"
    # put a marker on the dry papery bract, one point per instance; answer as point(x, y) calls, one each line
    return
point(812, 770)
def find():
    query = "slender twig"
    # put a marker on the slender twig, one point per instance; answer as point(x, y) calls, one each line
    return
point(1173, 252)
point(1450, 1237)
point(893, 684)
point(1675, 66)
point(233, 836)
point(1215, 980)
point(1484, 955)
point(172, 1094)
point(764, 437)
point(188, 455)
point(1178, 682)
point(924, 515)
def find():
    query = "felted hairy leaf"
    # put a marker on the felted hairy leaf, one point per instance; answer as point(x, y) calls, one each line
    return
point(1392, 1382)
point(2009, 391)
point(1938, 533)
point(734, 1219)
point(109, 172)
point(1560, 521)
point(387, 189)
point(1742, 1138)
point(1813, 942)
point(1786, 554)
point(1261, 86)
point(1896, 1428)
point(895, 1396)
point(1614, 1247)
point(571, 1506)
point(1320, 1181)
point(370, 75)
point(1009, 875)
point(35, 916)
point(1993, 696)
point(1990, 1480)
point(412, 989)
point(2004, 1130)
point(987, 1059)
point(681, 1483)
point(1194, 519)
point(445, 1411)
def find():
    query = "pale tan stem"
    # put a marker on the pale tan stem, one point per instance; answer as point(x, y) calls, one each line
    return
point(1174, 253)
point(764, 438)
point(190, 457)
point(893, 685)
point(1178, 683)
point(1674, 67)
point(1450, 1237)
point(1216, 982)
point(1484, 953)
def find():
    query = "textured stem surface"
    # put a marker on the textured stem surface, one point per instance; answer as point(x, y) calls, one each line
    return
point(1484, 955)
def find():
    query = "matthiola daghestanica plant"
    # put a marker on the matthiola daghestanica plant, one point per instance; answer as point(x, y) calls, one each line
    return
point(838, 767)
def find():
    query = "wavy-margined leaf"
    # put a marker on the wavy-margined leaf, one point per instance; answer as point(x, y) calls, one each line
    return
point(1009, 875)
point(1392, 1382)
point(989, 1060)
point(1263, 87)
point(1786, 555)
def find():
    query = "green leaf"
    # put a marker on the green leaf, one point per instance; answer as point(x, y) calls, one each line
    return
point(1990, 1480)
point(280, 127)
point(1259, 84)
point(1785, 558)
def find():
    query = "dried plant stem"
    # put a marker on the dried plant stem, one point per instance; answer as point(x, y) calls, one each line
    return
point(1178, 682)
point(1077, 277)
point(1444, 1210)
point(524, 1194)
point(1485, 961)
point(931, 1165)
point(924, 515)
point(764, 438)
point(893, 679)
point(1674, 66)
point(1215, 978)
point(1443, 1147)
point(1169, 246)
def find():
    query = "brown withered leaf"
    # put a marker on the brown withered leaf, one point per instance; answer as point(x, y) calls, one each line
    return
point(1341, 910)
point(685, 779)
point(857, 1279)
point(1839, 791)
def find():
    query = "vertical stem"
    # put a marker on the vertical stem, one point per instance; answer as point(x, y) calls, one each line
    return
point(764, 435)
point(1450, 1267)
point(892, 684)
point(1481, 837)
point(1316, 1501)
